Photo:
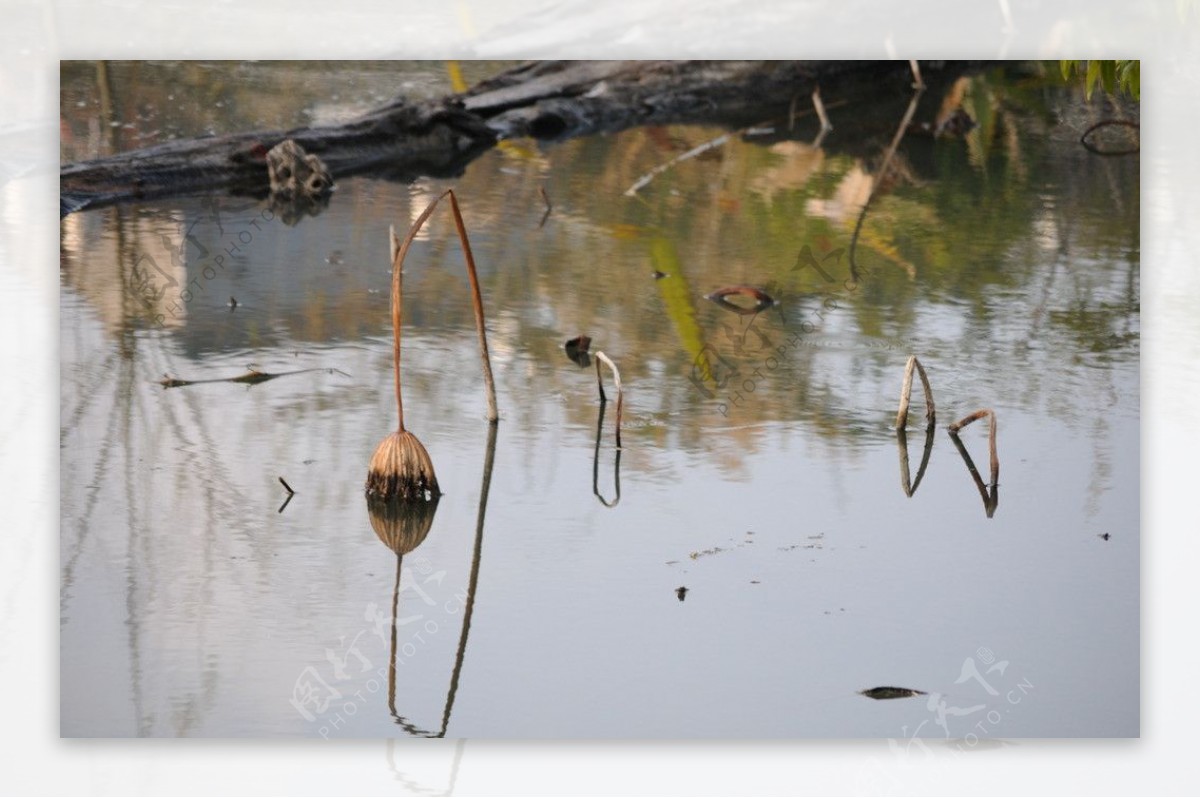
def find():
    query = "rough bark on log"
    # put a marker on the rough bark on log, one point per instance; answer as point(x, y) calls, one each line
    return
point(399, 141)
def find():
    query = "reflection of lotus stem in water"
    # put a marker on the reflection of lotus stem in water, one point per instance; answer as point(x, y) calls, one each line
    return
point(468, 609)
point(909, 486)
point(596, 466)
point(989, 493)
point(401, 467)
point(600, 356)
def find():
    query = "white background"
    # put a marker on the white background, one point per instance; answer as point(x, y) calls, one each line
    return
point(34, 35)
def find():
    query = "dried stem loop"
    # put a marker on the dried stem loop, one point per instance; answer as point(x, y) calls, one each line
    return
point(906, 394)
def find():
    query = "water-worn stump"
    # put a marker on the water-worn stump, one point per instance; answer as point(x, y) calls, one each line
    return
point(300, 182)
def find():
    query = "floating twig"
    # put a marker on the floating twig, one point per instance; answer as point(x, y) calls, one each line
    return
point(251, 377)
point(600, 356)
point(906, 394)
point(290, 494)
point(882, 693)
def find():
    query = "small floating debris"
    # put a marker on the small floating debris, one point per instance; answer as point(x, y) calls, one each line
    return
point(233, 303)
point(659, 275)
point(762, 300)
point(681, 592)
point(290, 492)
point(882, 693)
point(1104, 536)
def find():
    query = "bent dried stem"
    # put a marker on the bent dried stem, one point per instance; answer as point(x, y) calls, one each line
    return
point(401, 467)
point(600, 356)
point(476, 298)
point(906, 394)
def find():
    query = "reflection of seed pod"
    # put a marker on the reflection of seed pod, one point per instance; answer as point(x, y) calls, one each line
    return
point(402, 524)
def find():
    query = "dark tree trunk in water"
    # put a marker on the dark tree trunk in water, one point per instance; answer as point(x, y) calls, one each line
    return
point(545, 100)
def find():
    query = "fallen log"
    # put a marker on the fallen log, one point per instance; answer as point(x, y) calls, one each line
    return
point(544, 100)
point(400, 141)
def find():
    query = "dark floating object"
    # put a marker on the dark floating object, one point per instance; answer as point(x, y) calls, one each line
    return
point(762, 300)
point(681, 592)
point(1104, 536)
point(881, 693)
point(659, 275)
point(577, 351)
point(251, 377)
point(233, 303)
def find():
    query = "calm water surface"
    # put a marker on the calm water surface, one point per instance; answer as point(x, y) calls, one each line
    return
point(1008, 261)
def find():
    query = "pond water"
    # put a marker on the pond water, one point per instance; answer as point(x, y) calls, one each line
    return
point(760, 467)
